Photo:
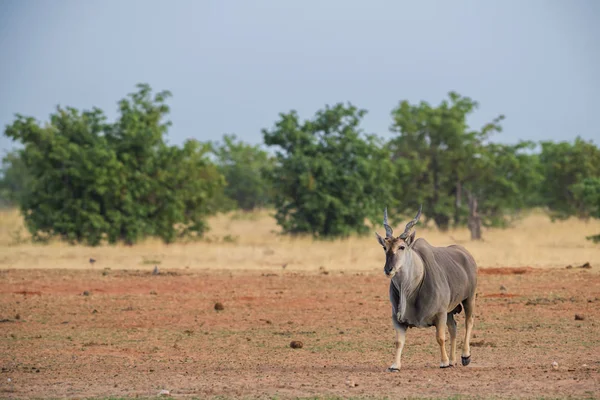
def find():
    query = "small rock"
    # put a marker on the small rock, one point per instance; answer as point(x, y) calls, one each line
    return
point(579, 317)
point(296, 344)
point(502, 288)
point(569, 267)
point(219, 306)
point(86, 293)
point(18, 316)
point(153, 292)
point(586, 266)
point(554, 365)
point(155, 270)
point(350, 382)
point(164, 392)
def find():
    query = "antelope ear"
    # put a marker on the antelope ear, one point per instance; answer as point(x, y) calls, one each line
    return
point(410, 240)
point(380, 239)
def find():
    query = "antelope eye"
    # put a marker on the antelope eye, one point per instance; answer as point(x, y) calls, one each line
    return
point(402, 247)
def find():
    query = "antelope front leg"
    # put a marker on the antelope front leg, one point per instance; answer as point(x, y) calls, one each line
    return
point(440, 331)
point(400, 338)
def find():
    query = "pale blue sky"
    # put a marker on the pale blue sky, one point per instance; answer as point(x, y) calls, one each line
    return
point(233, 65)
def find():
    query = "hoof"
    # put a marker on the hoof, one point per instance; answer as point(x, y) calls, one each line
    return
point(446, 366)
point(465, 360)
point(393, 369)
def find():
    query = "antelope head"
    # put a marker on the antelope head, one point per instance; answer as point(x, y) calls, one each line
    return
point(396, 248)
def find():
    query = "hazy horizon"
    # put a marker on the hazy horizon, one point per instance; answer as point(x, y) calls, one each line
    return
point(234, 66)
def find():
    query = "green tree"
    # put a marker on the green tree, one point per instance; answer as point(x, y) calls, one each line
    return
point(565, 166)
point(452, 170)
point(434, 151)
point(244, 167)
point(587, 192)
point(14, 178)
point(330, 177)
point(92, 180)
point(501, 181)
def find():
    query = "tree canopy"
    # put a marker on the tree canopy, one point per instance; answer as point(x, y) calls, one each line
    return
point(452, 169)
point(90, 180)
point(86, 180)
point(565, 166)
point(244, 167)
point(330, 177)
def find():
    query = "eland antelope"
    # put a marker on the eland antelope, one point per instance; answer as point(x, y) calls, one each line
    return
point(428, 286)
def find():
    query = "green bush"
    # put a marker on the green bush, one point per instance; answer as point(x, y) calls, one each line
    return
point(329, 177)
point(244, 167)
point(90, 180)
point(453, 170)
point(565, 166)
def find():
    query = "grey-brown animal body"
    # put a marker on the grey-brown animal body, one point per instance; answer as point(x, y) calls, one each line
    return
point(428, 285)
point(450, 278)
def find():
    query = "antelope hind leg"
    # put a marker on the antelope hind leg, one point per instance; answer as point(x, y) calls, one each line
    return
point(451, 323)
point(469, 305)
point(440, 333)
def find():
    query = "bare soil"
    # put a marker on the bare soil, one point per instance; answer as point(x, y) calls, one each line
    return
point(134, 334)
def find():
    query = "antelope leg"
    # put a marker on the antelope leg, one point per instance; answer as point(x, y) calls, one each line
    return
point(451, 323)
point(440, 333)
point(400, 339)
point(469, 305)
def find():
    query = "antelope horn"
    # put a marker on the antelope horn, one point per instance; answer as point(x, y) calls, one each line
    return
point(388, 229)
point(412, 223)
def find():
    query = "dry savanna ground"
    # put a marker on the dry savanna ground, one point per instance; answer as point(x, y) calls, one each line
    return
point(71, 329)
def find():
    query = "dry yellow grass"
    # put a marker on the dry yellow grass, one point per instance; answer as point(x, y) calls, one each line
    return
point(534, 241)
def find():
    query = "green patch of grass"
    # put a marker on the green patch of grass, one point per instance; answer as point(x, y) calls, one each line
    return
point(150, 261)
point(230, 239)
point(545, 301)
point(241, 215)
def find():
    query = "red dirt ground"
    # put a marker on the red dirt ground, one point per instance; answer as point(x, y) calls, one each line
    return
point(134, 334)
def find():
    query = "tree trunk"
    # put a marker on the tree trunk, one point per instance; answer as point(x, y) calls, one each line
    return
point(434, 170)
point(474, 222)
point(457, 203)
point(442, 221)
